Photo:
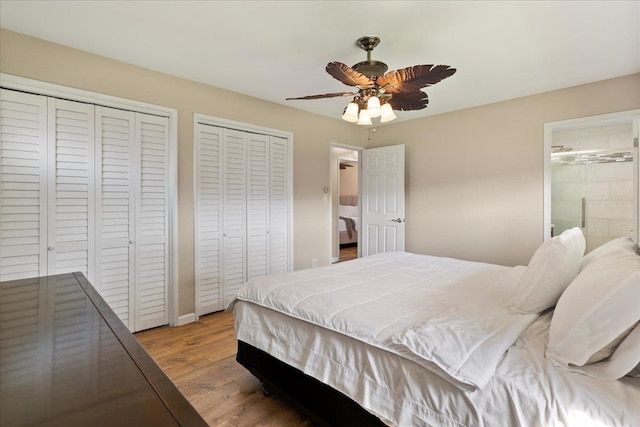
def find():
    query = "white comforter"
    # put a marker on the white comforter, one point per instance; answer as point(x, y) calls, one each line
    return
point(342, 225)
point(448, 315)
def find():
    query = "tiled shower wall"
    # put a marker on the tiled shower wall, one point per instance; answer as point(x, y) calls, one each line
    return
point(607, 187)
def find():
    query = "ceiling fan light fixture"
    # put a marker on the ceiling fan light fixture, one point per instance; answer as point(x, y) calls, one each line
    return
point(378, 92)
point(373, 107)
point(364, 118)
point(351, 113)
point(386, 113)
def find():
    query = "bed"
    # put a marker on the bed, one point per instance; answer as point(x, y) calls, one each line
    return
point(405, 339)
point(348, 220)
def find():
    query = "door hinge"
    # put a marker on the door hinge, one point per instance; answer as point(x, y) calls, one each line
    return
point(635, 142)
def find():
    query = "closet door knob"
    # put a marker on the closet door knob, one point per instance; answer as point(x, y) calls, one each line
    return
point(131, 242)
point(50, 248)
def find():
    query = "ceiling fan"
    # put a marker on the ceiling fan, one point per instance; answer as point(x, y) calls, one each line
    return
point(378, 93)
point(345, 165)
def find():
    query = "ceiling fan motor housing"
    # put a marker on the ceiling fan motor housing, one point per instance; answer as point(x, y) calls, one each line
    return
point(371, 68)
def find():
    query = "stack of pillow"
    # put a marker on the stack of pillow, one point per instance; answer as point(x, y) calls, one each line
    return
point(595, 325)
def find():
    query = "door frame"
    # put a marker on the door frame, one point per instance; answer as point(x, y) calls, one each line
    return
point(37, 87)
point(629, 116)
point(333, 193)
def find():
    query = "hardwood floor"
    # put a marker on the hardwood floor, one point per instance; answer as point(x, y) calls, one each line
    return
point(200, 359)
point(347, 253)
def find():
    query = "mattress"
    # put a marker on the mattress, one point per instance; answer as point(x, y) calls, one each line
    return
point(525, 390)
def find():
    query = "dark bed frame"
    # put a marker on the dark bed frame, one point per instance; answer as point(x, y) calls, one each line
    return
point(323, 404)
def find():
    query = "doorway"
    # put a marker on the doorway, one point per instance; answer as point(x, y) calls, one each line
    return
point(345, 209)
point(592, 177)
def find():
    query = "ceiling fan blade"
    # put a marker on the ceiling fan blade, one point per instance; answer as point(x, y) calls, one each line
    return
point(412, 79)
point(348, 75)
point(409, 101)
point(326, 95)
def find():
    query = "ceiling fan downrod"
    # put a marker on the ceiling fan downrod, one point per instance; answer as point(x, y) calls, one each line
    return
point(370, 67)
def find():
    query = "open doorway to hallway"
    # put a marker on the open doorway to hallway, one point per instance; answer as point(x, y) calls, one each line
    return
point(345, 207)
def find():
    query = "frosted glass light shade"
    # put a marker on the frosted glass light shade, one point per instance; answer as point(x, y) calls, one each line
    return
point(351, 113)
point(386, 113)
point(364, 118)
point(373, 106)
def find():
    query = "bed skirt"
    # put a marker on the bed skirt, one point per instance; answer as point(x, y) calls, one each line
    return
point(323, 404)
point(346, 240)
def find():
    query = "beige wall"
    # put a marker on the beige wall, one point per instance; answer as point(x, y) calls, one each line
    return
point(33, 58)
point(349, 181)
point(475, 177)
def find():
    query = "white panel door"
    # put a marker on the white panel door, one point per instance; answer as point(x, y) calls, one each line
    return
point(382, 200)
point(115, 202)
point(71, 202)
point(23, 185)
point(152, 222)
point(278, 206)
point(208, 218)
point(234, 193)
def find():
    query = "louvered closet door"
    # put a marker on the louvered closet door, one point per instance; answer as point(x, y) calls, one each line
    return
point(71, 226)
point(23, 185)
point(115, 157)
point(278, 206)
point(152, 223)
point(234, 213)
point(257, 206)
point(208, 217)
point(241, 211)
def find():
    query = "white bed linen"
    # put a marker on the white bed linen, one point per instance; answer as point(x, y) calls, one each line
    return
point(526, 389)
point(401, 302)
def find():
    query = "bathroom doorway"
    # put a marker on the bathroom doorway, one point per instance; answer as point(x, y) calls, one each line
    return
point(592, 177)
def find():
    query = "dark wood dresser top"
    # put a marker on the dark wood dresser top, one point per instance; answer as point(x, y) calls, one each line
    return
point(67, 360)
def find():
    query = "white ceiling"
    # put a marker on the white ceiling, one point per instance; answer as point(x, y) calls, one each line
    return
point(277, 49)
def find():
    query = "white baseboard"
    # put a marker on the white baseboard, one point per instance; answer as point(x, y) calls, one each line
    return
point(186, 318)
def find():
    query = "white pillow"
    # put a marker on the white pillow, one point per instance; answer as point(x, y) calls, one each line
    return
point(624, 242)
point(347, 211)
point(610, 348)
point(552, 267)
point(602, 303)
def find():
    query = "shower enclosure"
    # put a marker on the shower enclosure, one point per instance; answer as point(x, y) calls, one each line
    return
point(594, 180)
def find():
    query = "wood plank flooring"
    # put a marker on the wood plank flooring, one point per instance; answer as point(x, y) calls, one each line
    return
point(200, 359)
point(347, 253)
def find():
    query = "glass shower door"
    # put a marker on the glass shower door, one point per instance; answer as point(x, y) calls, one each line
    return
point(593, 190)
